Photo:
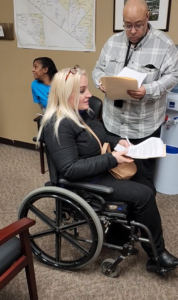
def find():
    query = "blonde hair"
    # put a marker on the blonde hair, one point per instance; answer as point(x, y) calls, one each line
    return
point(58, 101)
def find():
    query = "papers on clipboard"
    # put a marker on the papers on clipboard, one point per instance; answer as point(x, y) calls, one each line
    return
point(152, 147)
point(117, 86)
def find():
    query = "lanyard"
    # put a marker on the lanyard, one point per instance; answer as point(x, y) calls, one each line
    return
point(127, 58)
point(119, 103)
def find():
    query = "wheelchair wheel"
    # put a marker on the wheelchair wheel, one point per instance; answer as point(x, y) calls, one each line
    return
point(67, 234)
point(106, 264)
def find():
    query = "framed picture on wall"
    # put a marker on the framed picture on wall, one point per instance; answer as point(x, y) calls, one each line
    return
point(159, 14)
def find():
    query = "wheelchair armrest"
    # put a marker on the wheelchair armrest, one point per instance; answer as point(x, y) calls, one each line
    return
point(35, 140)
point(87, 186)
point(37, 119)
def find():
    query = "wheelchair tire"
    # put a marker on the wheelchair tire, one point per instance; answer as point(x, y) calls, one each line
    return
point(70, 238)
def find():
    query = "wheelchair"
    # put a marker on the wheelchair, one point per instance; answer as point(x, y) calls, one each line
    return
point(72, 221)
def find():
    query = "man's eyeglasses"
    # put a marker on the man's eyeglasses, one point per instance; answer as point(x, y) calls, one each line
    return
point(136, 26)
point(73, 71)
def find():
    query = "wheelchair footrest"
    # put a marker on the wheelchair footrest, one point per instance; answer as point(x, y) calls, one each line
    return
point(152, 266)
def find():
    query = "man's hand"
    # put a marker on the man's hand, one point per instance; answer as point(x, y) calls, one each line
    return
point(124, 143)
point(137, 94)
point(101, 87)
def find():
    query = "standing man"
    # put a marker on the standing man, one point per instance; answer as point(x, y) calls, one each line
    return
point(144, 49)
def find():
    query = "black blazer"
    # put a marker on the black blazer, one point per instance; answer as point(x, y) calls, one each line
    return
point(77, 155)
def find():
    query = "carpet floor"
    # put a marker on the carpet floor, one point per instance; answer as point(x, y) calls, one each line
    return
point(19, 175)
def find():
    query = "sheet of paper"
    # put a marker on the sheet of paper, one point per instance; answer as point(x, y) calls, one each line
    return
point(1, 31)
point(127, 72)
point(152, 147)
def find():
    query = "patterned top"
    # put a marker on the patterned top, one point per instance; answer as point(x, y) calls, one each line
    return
point(156, 55)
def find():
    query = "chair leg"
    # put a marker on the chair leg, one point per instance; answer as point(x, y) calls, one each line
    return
point(31, 282)
point(41, 150)
point(29, 269)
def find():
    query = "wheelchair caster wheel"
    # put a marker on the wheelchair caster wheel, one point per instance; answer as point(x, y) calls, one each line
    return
point(105, 267)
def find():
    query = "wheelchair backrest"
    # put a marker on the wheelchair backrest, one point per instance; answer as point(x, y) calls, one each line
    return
point(96, 105)
point(53, 174)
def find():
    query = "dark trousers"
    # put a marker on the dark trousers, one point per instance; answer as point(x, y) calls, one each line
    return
point(144, 166)
point(139, 194)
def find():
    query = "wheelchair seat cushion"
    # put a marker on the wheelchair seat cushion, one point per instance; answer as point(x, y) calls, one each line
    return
point(9, 253)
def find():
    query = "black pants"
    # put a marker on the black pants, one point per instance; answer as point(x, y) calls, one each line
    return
point(144, 166)
point(139, 194)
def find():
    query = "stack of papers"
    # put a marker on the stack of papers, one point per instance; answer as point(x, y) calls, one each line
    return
point(117, 86)
point(152, 147)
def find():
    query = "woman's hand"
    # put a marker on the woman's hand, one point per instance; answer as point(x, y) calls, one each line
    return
point(119, 155)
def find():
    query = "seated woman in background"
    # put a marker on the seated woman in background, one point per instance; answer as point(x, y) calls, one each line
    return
point(77, 156)
point(43, 72)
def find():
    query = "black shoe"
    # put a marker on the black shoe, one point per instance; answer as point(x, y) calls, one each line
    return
point(167, 260)
point(152, 266)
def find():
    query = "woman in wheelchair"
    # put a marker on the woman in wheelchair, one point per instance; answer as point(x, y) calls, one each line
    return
point(77, 156)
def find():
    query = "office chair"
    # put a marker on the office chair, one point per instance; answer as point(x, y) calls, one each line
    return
point(15, 254)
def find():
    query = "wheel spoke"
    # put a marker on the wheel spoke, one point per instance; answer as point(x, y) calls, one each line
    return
point(58, 247)
point(58, 212)
point(42, 216)
point(74, 243)
point(84, 240)
point(41, 234)
point(72, 225)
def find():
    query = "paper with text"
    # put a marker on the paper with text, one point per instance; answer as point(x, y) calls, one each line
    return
point(152, 147)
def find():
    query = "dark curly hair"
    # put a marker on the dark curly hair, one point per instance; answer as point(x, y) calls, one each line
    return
point(47, 63)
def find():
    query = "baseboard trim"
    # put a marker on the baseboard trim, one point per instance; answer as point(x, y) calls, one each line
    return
point(18, 144)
